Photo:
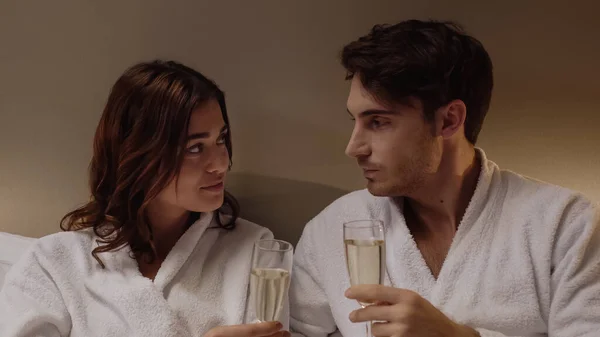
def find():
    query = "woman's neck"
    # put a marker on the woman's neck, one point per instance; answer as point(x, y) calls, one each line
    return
point(168, 225)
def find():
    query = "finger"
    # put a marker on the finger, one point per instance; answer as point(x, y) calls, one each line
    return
point(373, 313)
point(388, 329)
point(251, 330)
point(372, 293)
point(263, 329)
point(281, 334)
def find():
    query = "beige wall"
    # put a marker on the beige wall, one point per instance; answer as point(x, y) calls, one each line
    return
point(277, 61)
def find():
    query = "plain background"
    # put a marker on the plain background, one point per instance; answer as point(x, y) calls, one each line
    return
point(278, 64)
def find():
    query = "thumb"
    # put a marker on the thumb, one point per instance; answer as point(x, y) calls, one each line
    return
point(246, 330)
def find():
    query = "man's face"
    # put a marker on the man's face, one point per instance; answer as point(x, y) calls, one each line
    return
point(394, 146)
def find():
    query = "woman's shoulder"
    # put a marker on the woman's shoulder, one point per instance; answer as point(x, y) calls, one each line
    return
point(54, 255)
point(246, 230)
point(63, 246)
point(70, 239)
point(251, 228)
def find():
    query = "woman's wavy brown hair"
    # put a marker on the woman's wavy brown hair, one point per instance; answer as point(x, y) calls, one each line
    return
point(138, 150)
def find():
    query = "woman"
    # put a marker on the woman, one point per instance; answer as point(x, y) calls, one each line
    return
point(159, 250)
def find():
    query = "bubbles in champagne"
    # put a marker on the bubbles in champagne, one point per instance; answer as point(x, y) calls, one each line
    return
point(366, 261)
point(268, 289)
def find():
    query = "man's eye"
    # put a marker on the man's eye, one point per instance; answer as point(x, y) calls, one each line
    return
point(376, 123)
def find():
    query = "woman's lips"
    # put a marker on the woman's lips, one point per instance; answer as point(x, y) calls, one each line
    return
point(218, 187)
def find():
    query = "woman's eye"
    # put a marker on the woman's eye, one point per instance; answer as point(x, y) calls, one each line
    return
point(194, 149)
point(222, 138)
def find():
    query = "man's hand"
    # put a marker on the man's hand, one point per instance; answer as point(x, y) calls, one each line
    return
point(405, 313)
point(265, 329)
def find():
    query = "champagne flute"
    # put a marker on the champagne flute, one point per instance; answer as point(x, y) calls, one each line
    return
point(270, 278)
point(364, 242)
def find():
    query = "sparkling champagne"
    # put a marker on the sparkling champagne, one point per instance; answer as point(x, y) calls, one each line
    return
point(366, 261)
point(268, 288)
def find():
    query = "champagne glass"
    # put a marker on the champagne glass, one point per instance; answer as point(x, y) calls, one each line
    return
point(364, 241)
point(270, 278)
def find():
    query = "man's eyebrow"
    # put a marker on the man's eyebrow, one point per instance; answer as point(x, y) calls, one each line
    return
point(371, 112)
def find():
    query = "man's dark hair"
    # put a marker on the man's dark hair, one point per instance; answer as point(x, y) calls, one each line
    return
point(434, 61)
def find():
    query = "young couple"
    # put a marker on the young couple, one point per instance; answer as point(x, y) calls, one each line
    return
point(472, 250)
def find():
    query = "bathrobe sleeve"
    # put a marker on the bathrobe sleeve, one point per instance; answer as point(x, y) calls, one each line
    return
point(575, 278)
point(575, 274)
point(310, 313)
point(31, 304)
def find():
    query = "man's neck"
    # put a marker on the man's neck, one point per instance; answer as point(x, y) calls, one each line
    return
point(439, 206)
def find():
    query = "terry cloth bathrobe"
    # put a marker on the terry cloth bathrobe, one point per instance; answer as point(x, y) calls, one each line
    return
point(58, 289)
point(525, 261)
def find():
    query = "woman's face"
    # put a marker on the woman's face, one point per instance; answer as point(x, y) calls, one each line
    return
point(199, 185)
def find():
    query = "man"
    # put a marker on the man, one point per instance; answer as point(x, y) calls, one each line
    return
point(472, 250)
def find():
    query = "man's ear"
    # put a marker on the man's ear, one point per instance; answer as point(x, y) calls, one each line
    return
point(450, 118)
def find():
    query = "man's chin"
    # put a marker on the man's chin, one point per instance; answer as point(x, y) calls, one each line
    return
point(378, 189)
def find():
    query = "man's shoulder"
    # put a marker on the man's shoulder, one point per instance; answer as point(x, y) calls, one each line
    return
point(551, 206)
point(355, 198)
point(356, 205)
point(527, 191)
point(532, 191)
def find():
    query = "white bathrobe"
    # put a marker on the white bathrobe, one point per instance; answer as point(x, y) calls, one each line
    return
point(525, 261)
point(58, 289)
